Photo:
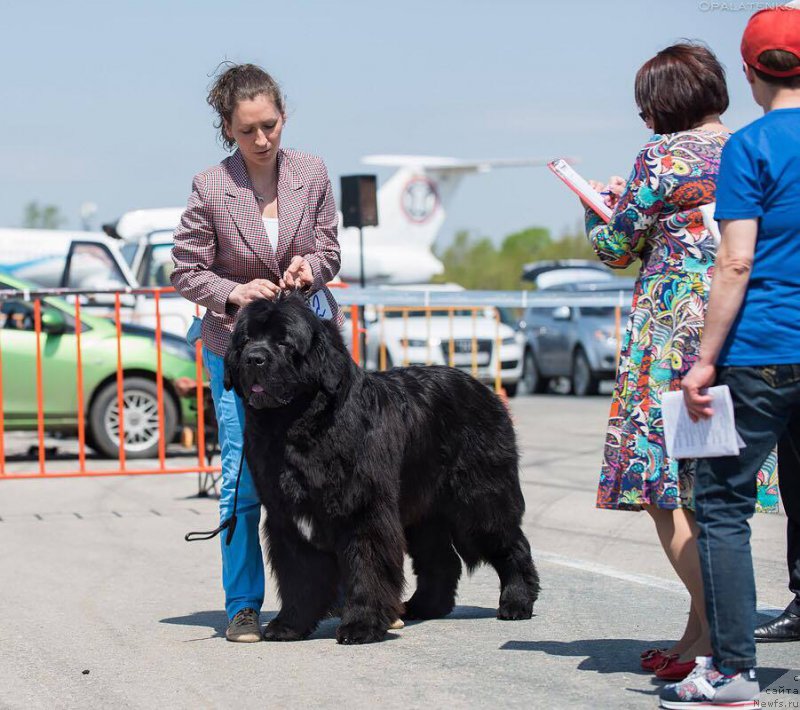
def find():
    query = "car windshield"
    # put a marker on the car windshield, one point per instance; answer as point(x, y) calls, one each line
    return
point(602, 311)
point(159, 266)
point(128, 252)
point(17, 313)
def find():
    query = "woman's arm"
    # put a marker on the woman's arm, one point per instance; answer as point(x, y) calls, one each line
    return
point(193, 252)
point(728, 288)
point(621, 241)
point(325, 259)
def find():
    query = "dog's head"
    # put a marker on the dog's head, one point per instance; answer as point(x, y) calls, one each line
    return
point(280, 350)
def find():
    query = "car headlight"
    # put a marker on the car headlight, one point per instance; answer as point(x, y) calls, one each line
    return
point(509, 341)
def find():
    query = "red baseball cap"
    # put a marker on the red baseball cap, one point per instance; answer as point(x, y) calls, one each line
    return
point(773, 28)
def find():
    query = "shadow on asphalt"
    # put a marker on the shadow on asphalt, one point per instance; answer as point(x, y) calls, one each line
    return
point(600, 655)
point(763, 615)
point(472, 612)
point(767, 676)
point(615, 656)
point(461, 612)
point(215, 620)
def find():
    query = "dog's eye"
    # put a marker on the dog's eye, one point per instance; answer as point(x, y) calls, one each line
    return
point(284, 346)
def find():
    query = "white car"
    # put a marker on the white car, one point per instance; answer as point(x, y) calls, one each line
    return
point(468, 343)
point(54, 258)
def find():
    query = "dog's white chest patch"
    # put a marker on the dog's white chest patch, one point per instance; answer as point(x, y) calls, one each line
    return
point(305, 527)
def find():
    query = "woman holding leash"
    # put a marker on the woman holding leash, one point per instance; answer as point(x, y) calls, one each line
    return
point(262, 221)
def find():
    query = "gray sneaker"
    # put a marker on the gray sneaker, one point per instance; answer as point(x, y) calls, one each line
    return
point(706, 687)
point(244, 627)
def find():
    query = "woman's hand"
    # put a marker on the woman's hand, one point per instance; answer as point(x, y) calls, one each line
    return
point(616, 186)
point(298, 275)
point(612, 190)
point(252, 291)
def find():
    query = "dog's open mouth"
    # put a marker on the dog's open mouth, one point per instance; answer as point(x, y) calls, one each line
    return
point(259, 397)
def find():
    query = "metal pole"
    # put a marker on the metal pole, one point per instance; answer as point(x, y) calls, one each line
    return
point(361, 255)
point(362, 336)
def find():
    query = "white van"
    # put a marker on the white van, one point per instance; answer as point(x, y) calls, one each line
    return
point(56, 258)
point(145, 240)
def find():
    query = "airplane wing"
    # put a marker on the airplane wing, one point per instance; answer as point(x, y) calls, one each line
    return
point(454, 165)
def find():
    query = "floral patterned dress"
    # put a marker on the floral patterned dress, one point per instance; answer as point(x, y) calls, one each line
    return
point(658, 221)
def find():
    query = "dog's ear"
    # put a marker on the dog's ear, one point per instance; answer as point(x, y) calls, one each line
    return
point(232, 356)
point(332, 374)
point(327, 362)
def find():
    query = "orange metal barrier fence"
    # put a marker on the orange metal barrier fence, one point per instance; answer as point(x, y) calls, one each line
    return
point(123, 467)
point(429, 311)
point(202, 465)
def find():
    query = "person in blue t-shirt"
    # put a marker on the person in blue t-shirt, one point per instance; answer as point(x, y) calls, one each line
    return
point(751, 343)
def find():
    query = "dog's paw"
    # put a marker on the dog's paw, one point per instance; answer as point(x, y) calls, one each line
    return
point(357, 632)
point(515, 610)
point(277, 630)
point(420, 609)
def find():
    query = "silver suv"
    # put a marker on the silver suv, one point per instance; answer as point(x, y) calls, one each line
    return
point(574, 342)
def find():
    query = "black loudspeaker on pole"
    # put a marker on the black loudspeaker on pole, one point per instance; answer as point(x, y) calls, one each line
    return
point(359, 205)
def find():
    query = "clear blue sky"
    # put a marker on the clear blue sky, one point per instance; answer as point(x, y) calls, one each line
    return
point(105, 101)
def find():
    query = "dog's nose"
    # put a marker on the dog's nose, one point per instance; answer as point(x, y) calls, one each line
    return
point(257, 359)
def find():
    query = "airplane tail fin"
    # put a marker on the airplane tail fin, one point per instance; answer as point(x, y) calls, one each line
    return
point(413, 202)
point(412, 205)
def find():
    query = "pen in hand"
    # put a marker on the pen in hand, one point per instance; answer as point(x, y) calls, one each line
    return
point(611, 191)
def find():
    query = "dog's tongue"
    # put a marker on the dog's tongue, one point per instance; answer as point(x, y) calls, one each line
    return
point(256, 388)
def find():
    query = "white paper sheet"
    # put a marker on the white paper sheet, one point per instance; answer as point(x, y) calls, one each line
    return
point(706, 438)
point(709, 222)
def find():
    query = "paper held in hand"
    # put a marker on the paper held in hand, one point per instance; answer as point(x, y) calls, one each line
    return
point(580, 187)
point(709, 222)
point(706, 438)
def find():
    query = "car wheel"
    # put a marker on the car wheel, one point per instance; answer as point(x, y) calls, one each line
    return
point(140, 405)
point(511, 389)
point(583, 380)
point(534, 382)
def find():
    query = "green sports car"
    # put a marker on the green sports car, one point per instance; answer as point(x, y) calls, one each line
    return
point(99, 355)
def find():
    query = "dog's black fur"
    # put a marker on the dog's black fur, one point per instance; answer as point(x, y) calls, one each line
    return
point(354, 467)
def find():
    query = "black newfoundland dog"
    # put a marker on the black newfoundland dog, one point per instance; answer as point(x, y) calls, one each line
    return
point(355, 468)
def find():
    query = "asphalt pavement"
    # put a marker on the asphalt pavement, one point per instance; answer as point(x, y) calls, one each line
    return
point(105, 606)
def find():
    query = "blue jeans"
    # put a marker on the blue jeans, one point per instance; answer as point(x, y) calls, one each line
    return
point(766, 402)
point(242, 560)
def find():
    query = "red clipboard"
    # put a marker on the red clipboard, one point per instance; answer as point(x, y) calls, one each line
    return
point(573, 180)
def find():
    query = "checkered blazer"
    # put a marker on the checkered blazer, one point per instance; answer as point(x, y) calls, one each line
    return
point(221, 240)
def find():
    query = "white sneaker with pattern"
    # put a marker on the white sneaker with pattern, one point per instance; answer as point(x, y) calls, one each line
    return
point(706, 687)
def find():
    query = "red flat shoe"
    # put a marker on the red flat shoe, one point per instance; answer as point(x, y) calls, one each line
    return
point(654, 658)
point(674, 669)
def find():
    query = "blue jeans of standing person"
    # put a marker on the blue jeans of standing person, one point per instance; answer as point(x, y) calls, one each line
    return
point(242, 560)
point(766, 403)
